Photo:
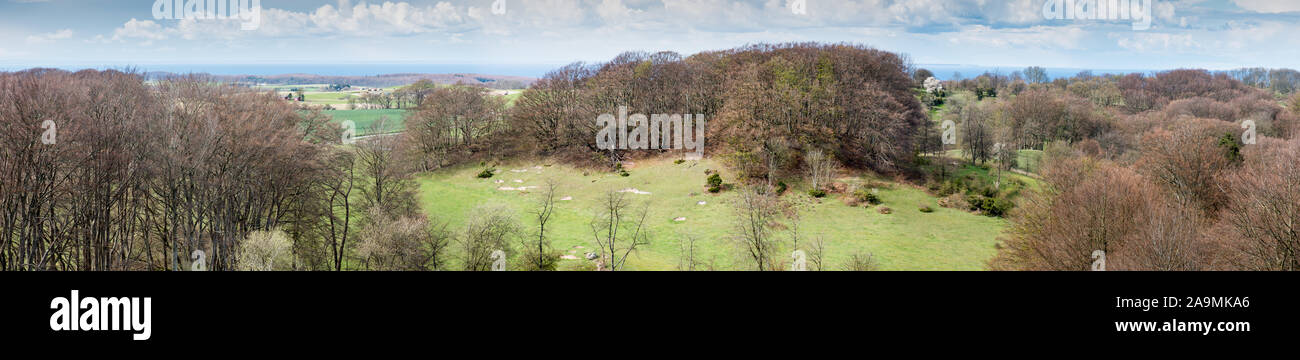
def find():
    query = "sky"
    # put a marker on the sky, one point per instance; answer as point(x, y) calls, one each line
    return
point(1011, 34)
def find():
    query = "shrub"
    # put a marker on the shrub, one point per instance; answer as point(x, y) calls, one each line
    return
point(487, 173)
point(926, 209)
point(266, 251)
point(546, 260)
point(402, 243)
point(817, 193)
point(864, 196)
point(861, 262)
point(990, 206)
point(715, 183)
point(950, 187)
point(955, 201)
point(679, 161)
point(715, 180)
point(781, 188)
point(885, 210)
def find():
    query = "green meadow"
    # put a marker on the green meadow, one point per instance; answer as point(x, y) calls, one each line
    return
point(907, 239)
point(366, 120)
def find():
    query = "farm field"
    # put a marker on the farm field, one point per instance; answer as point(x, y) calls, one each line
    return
point(367, 119)
point(908, 239)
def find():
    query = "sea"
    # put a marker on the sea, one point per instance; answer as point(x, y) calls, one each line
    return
point(941, 71)
point(526, 70)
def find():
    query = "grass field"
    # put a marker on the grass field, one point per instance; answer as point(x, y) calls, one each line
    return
point(1029, 160)
point(908, 239)
point(332, 98)
point(365, 119)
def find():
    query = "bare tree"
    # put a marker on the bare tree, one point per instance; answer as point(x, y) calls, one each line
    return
point(619, 229)
point(819, 167)
point(403, 244)
point(756, 211)
point(686, 256)
point(538, 254)
point(1264, 211)
point(817, 253)
point(491, 228)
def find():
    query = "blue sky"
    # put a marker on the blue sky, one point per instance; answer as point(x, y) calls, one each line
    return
point(1212, 34)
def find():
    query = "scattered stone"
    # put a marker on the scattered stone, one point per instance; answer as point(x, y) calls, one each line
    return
point(518, 171)
point(519, 181)
point(702, 203)
point(522, 188)
point(499, 181)
point(591, 256)
point(634, 191)
point(569, 257)
point(566, 198)
point(579, 247)
point(680, 219)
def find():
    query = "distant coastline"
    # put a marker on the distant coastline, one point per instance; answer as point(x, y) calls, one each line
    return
point(511, 70)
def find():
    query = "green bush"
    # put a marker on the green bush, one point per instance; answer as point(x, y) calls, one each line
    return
point(990, 206)
point(487, 173)
point(817, 193)
point(926, 209)
point(714, 181)
point(865, 196)
point(781, 188)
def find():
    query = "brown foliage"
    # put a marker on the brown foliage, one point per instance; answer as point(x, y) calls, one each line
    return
point(1088, 205)
point(142, 175)
point(1188, 162)
point(1262, 218)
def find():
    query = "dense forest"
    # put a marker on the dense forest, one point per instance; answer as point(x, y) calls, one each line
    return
point(1176, 170)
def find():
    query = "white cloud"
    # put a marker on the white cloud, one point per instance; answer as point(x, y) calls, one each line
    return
point(1269, 6)
point(1151, 42)
point(615, 11)
point(146, 30)
point(1036, 37)
point(50, 37)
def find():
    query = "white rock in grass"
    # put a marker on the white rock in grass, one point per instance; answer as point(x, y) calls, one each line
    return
point(680, 219)
point(566, 198)
point(702, 203)
point(522, 188)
